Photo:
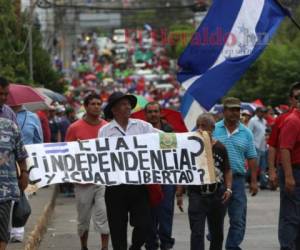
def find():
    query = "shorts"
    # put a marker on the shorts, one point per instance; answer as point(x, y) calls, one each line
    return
point(5, 215)
point(90, 203)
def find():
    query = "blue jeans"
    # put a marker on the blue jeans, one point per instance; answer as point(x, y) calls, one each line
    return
point(289, 214)
point(262, 164)
point(162, 221)
point(237, 211)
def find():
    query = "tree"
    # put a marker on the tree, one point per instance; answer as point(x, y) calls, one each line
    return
point(178, 38)
point(14, 62)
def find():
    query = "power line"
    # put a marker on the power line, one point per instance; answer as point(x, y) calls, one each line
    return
point(45, 4)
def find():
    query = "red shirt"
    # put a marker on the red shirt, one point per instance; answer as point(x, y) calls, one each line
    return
point(274, 136)
point(81, 130)
point(45, 126)
point(290, 136)
point(270, 120)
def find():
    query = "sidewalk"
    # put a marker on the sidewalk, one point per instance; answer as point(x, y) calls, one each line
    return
point(38, 203)
point(261, 226)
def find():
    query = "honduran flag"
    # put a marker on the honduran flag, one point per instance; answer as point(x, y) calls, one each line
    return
point(230, 38)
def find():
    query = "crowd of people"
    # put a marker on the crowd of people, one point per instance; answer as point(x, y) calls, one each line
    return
point(234, 144)
point(255, 146)
point(142, 67)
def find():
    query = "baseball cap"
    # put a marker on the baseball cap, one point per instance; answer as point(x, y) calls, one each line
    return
point(232, 102)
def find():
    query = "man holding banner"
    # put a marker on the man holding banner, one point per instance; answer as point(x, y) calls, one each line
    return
point(88, 196)
point(239, 143)
point(162, 214)
point(123, 199)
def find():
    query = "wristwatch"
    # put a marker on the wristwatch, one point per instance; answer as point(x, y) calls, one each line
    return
point(229, 190)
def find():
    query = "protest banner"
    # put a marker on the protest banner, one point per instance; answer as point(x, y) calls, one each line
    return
point(159, 158)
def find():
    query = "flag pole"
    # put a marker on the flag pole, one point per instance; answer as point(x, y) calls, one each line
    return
point(288, 13)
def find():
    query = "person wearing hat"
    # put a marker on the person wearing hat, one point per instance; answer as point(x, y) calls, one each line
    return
point(90, 198)
point(122, 200)
point(258, 126)
point(239, 143)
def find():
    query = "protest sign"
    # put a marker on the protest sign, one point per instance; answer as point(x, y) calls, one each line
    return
point(161, 158)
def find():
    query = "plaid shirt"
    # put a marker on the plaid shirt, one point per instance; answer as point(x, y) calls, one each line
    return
point(11, 150)
point(6, 112)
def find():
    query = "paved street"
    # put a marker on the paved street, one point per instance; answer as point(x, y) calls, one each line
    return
point(261, 231)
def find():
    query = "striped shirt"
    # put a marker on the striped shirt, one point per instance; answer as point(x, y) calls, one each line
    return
point(134, 127)
point(239, 144)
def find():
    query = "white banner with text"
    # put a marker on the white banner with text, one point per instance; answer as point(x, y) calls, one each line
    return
point(160, 158)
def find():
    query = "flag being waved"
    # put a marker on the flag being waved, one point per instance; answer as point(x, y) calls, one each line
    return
point(231, 37)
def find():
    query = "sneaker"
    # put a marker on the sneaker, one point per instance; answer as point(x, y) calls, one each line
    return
point(15, 239)
point(84, 248)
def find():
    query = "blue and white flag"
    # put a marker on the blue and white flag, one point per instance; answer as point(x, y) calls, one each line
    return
point(231, 37)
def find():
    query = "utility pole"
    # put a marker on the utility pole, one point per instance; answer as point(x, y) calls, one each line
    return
point(18, 16)
point(31, 11)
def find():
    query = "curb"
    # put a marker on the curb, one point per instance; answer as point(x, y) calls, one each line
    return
point(35, 236)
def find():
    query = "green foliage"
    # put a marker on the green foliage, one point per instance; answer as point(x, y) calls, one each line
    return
point(272, 74)
point(138, 19)
point(178, 38)
point(14, 54)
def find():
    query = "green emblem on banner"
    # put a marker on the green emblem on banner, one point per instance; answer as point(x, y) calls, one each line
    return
point(167, 140)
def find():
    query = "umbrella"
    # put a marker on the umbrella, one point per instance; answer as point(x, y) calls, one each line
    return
point(143, 56)
point(173, 117)
point(56, 97)
point(90, 77)
point(218, 108)
point(141, 103)
point(35, 106)
point(82, 68)
point(258, 103)
point(248, 106)
point(21, 94)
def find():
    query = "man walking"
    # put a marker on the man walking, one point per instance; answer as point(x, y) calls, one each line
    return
point(239, 143)
point(90, 198)
point(273, 142)
point(31, 133)
point(11, 151)
point(209, 201)
point(162, 215)
point(122, 200)
point(289, 175)
point(258, 126)
point(274, 160)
